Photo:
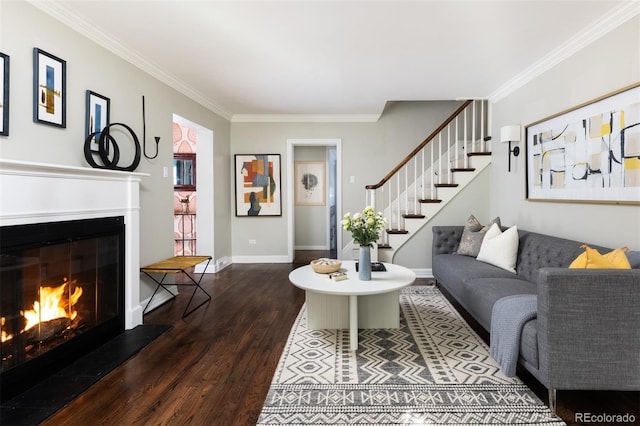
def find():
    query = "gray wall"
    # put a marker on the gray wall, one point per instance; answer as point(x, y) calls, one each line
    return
point(608, 64)
point(91, 67)
point(312, 222)
point(369, 151)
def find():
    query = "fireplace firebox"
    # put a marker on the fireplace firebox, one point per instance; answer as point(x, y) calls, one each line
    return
point(61, 296)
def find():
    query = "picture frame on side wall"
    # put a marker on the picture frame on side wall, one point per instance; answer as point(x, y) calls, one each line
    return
point(49, 89)
point(589, 153)
point(4, 95)
point(97, 114)
point(258, 185)
point(310, 183)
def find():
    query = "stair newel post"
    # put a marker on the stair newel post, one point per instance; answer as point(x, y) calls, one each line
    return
point(371, 195)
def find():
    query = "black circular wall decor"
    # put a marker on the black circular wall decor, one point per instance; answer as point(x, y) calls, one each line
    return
point(106, 143)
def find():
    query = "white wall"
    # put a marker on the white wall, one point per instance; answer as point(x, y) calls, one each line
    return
point(91, 67)
point(608, 64)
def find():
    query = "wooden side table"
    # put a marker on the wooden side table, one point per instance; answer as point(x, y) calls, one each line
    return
point(177, 265)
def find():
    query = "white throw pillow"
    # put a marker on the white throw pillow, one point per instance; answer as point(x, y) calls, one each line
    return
point(500, 248)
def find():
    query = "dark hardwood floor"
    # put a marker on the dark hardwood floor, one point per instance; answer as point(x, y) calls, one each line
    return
point(215, 366)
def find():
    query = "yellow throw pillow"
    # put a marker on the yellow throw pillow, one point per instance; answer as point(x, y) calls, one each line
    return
point(592, 259)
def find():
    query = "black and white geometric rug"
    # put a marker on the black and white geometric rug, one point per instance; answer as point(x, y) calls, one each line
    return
point(434, 369)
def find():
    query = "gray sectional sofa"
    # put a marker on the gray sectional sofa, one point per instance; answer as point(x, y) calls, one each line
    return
point(586, 335)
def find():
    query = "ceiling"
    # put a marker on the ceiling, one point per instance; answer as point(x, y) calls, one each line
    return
point(338, 58)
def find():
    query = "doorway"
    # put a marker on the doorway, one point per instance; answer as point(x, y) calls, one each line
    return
point(313, 226)
point(195, 235)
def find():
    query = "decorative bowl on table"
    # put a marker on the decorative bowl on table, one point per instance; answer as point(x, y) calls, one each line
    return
point(325, 266)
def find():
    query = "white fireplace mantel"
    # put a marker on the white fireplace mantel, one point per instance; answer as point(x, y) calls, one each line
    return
point(38, 193)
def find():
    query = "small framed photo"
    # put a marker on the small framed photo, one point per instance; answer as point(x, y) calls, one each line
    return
point(4, 95)
point(310, 183)
point(49, 89)
point(97, 115)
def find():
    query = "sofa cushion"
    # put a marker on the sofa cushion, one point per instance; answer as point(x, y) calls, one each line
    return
point(472, 236)
point(592, 259)
point(500, 248)
point(480, 294)
point(452, 270)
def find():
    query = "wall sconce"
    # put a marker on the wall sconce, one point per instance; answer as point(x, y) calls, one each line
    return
point(511, 134)
point(144, 135)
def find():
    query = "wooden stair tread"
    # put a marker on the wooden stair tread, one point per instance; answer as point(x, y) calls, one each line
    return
point(429, 200)
point(397, 231)
point(477, 154)
point(413, 216)
point(446, 185)
point(384, 246)
point(463, 169)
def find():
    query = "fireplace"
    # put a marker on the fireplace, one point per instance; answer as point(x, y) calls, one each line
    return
point(62, 295)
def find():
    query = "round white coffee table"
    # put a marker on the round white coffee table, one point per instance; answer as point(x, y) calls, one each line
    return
point(352, 303)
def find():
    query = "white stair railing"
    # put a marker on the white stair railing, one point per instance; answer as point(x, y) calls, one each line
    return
point(431, 165)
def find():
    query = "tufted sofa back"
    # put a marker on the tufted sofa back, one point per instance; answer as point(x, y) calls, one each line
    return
point(535, 250)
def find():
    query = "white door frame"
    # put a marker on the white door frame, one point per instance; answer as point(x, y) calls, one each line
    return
point(205, 226)
point(291, 144)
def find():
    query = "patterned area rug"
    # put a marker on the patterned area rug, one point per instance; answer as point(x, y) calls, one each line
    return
point(434, 369)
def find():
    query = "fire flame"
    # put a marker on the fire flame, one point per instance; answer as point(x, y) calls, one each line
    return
point(52, 305)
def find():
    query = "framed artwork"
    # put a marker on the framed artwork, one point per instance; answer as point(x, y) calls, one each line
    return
point(184, 171)
point(49, 89)
point(258, 185)
point(310, 183)
point(97, 114)
point(589, 153)
point(4, 95)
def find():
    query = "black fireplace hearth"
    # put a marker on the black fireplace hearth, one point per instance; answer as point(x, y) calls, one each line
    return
point(61, 296)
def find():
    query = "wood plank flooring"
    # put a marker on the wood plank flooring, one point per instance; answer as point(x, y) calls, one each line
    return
point(215, 366)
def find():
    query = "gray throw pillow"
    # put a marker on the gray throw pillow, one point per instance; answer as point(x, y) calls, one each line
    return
point(472, 236)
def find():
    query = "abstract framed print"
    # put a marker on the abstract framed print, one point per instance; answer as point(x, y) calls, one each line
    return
point(49, 89)
point(589, 153)
point(258, 185)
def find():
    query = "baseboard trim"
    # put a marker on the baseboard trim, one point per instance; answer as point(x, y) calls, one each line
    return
point(261, 259)
point(318, 247)
point(423, 272)
point(160, 298)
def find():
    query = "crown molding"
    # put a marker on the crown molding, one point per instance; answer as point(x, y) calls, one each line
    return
point(67, 17)
point(600, 28)
point(305, 118)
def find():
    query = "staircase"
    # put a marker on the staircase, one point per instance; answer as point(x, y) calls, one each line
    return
point(430, 177)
